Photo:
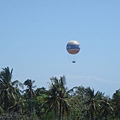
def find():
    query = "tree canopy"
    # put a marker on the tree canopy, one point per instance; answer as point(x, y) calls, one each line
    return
point(27, 102)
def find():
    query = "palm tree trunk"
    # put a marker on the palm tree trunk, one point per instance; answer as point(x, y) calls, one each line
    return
point(92, 116)
point(6, 102)
point(55, 112)
point(60, 112)
point(106, 116)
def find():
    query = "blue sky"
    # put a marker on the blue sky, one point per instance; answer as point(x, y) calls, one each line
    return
point(34, 34)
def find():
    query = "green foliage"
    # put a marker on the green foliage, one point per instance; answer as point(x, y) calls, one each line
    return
point(56, 103)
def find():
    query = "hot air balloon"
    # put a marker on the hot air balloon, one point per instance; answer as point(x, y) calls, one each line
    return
point(73, 47)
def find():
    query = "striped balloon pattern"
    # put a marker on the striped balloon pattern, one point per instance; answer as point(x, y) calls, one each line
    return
point(73, 47)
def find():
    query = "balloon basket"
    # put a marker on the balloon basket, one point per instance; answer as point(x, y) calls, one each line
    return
point(73, 61)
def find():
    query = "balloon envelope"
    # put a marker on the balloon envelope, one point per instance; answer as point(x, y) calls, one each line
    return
point(73, 47)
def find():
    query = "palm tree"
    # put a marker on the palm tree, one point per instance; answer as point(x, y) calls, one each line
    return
point(92, 102)
point(29, 93)
point(77, 101)
point(106, 108)
point(57, 98)
point(116, 102)
point(8, 90)
point(19, 102)
point(40, 91)
point(5, 86)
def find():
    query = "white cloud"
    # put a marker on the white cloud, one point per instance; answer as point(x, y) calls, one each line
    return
point(91, 78)
point(107, 86)
point(97, 83)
